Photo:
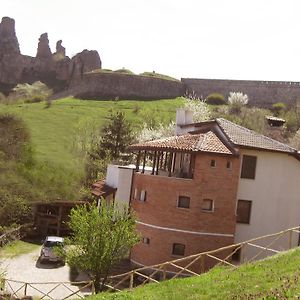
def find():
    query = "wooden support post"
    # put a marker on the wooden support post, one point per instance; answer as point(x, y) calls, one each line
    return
point(131, 281)
point(153, 163)
point(170, 164)
point(164, 273)
point(144, 161)
point(157, 162)
point(137, 167)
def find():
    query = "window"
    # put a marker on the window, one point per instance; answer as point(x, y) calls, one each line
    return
point(248, 167)
point(136, 191)
point(145, 240)
point(178, 249)
point(213, 163)
point(243, 211)
point(143, 196)
point(207, 205)
point(229, 165)
point(183, 202)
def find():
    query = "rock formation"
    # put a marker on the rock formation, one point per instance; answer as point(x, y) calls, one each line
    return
point(43, 50)
point(8, 40)
point(56, 70)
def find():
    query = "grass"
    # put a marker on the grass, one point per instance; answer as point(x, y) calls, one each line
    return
point(273, 278)
point(17, 248)
point(55, 130)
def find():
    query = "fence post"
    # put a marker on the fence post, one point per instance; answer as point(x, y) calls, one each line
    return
point(131, 281)
point(25, 289)
point(164, 273)
point(290, 239)
point(201, 264)
point(93, 288)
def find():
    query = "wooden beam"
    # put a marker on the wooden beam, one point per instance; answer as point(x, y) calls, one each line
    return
point(154, 163)
point(144, 161)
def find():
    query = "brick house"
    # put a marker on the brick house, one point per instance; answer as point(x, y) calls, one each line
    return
point(211, 185)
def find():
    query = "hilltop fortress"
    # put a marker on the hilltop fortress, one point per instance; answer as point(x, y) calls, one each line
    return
point(81, 76)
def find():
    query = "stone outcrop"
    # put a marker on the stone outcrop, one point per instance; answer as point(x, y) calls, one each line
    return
point(43, 50)
point(8, 39)
point(56, 70)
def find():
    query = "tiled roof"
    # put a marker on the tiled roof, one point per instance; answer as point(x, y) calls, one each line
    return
point(242, 136)
point(207, 142)
point(101, 189)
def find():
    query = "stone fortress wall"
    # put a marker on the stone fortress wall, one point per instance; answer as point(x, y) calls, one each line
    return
point(260, 93)
point(73, 76)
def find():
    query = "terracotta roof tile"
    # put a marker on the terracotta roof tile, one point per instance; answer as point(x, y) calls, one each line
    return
point(242, 136)
point(102, 189)
point(207, 142)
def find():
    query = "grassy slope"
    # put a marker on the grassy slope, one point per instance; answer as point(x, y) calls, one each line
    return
point(53, 130)
point(278, 275)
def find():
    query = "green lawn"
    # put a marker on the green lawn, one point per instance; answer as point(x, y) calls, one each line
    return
point(273, 278)
point(17, 248)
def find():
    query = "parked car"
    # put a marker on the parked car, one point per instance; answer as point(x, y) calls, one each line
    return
point(52, 250)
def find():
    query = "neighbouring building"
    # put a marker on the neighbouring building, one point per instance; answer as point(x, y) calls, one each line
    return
point(213, 184)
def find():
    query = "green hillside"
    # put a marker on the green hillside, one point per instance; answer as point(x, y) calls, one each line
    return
point(273, 278)
point(56, 130)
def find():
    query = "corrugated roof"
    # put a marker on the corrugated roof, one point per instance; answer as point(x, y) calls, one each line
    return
point(206, 142)
point(242, 136)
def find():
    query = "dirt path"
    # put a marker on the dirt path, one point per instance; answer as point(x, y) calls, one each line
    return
point(25, 268)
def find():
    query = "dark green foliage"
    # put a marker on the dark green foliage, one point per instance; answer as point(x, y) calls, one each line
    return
point(278, 108)
point(13, 209)
point(14, 137)
point(101, 238)
point(216, 99)
point(116, 136)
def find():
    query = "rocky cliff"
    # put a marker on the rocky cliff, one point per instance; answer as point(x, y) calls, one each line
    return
point(56, 70)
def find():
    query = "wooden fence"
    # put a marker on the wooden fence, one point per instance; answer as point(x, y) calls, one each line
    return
point(193, 265)
point(13, 234)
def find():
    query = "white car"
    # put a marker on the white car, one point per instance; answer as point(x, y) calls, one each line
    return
point(50, 248)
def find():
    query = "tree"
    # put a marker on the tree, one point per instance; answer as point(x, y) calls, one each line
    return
point(116, 136)
point(199, 107)
point(101, 238)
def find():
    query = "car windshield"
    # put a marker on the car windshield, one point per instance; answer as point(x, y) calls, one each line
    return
point(50, 244)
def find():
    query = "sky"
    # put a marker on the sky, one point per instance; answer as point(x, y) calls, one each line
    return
point(219, 39)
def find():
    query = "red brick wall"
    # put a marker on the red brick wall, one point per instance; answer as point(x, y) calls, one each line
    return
point(160, 209)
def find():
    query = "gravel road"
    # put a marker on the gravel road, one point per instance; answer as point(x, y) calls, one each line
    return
point(26, 268)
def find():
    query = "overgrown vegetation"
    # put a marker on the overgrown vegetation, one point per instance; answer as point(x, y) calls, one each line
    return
point(29, 93)
point(215, 99)
point(273, 278)
point(101, 238)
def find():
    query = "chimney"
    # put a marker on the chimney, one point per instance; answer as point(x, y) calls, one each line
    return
point(183, 117)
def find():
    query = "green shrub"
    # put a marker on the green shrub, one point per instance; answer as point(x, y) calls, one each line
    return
point(278, 108)
point(124, 71)
point(215, 99)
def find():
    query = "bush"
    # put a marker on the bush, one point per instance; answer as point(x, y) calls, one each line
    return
point(216, 99)
point(124, 71)
point(237, 100)
point(278, 108)
point(30, 93)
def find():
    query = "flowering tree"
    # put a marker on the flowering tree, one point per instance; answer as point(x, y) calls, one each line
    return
point(162, 131)
point(199, 107)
